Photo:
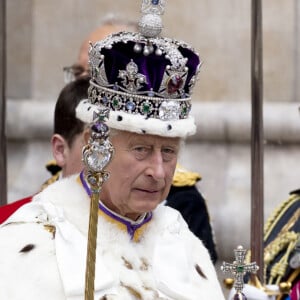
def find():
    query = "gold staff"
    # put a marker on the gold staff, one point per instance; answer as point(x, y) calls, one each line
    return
point(96, 156)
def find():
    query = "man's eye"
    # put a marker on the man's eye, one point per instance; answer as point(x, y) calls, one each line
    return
point(168, 150)
point(168, 154)
point(140, 149)
point(140, 152)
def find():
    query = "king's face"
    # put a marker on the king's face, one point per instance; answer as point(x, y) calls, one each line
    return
point(141, 172)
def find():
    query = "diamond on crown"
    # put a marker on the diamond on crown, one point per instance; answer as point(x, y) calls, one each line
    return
point(169, 110)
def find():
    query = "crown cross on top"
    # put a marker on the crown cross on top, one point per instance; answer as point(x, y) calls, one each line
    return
point(238, 269)
point(153, 6)
point(131, 79)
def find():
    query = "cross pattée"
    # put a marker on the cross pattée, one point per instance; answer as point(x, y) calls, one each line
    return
point(239, 268)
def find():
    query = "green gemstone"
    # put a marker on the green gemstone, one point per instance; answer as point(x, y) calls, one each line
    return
point(240, 269)
point(146, 108)
point(115, 102)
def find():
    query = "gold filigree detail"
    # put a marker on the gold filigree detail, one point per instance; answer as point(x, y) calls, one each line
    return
point(285, 240)
point(277, 214)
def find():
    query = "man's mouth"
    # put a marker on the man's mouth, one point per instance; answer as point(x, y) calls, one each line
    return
point(149, 191)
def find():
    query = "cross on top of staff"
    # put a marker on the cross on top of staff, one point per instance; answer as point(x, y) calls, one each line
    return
point(239, 268)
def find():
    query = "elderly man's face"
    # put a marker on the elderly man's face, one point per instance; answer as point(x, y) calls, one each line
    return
point(141, 173)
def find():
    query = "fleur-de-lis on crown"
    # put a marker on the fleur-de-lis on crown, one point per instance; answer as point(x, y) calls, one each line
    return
point(131, 79)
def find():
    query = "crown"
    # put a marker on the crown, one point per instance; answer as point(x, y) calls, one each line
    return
point(145, 80)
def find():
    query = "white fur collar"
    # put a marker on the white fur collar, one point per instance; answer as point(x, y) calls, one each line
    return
point(168, 250)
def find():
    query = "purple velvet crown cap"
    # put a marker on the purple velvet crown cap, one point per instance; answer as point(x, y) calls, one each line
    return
point(173, 83)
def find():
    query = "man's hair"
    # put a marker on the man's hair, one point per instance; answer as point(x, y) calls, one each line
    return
point(65, 122)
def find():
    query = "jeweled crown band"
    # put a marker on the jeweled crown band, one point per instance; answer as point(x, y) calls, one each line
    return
point(150, 107)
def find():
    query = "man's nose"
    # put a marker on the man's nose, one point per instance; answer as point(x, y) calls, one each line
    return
point(156, 166)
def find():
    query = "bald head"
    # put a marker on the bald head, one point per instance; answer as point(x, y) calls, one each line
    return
point(99, 34)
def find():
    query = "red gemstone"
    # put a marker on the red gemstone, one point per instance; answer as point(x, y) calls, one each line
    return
point(174, 83)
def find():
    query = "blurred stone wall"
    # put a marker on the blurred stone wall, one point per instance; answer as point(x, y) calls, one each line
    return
point(44, 36)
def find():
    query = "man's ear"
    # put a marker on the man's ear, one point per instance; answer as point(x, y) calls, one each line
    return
point(59, 149)
point(86, 135)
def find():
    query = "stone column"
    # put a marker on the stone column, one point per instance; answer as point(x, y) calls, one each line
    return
point(3, 171)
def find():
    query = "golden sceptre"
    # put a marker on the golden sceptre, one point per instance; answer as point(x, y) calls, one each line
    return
point(96, 155)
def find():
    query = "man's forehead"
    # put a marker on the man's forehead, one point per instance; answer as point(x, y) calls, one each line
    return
point(133, 138)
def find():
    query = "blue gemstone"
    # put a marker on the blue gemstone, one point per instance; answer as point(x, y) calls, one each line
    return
point(155, 2)
point(104, 100)
point(183, 95)
point(151, 93)
point(130, 105)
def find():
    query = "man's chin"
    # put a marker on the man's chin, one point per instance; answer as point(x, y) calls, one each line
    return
point(147, 206)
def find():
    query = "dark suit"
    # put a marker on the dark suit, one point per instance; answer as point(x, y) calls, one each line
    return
point(190, 203)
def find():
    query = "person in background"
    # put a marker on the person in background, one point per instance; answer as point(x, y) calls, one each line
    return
point(110, 24)
point(282, 248)
point(144, 250)
point(281, 255)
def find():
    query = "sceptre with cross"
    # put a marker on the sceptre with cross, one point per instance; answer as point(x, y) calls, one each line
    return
point(238, 269)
